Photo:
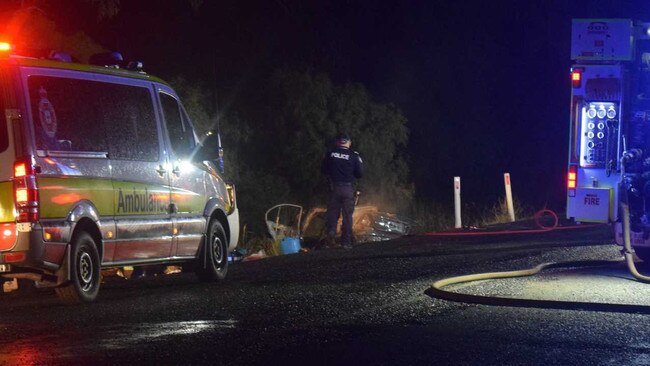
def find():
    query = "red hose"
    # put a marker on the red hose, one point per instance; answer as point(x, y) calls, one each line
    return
point(541, 213)
point(538, 215)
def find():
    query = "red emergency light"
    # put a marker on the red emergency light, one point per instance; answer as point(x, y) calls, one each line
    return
point(576, 78)
point(572, 180)
point(6, 49)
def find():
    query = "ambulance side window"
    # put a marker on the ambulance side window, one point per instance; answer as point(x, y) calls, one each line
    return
point(84, 115)
point(178, 128)
point(129, 115)
point(65, 114)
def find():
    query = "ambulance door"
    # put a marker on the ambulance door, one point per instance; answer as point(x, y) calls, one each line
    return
point(188, 197)
point(140, 177)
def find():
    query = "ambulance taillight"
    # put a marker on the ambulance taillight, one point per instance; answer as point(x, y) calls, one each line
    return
point(25, 191)
point(572, 180)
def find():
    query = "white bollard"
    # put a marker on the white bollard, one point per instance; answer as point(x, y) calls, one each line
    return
point(509, 203)
point(457, 202)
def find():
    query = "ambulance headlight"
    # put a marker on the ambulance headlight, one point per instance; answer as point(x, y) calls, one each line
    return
point(185, 166)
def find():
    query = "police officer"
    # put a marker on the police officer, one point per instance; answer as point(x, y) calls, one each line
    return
point(341, 166)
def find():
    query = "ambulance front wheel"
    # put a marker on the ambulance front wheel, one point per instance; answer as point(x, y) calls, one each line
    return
point(84, 271)
point(214, 254)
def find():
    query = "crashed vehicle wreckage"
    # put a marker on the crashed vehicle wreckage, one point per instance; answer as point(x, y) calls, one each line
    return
point(368, 224)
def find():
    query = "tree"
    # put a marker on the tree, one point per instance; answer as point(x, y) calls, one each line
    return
point(294, 119)
point(276, 134)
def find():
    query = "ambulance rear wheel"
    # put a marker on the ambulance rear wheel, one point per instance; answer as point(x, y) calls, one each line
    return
point(84, 271)
point(215, 254)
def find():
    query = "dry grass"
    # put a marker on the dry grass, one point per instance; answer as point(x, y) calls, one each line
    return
point(498, 213)
point(432, 216)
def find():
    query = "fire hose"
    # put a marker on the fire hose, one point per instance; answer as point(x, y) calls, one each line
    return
point(625, 208)
point(436, 289)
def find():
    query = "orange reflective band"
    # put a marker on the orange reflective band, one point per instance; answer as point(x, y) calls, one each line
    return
point(66, 198)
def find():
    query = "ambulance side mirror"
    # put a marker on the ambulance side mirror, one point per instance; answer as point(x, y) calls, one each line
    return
point(211, 150)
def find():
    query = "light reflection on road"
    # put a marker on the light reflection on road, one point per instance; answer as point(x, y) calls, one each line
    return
point(63, 344)
point(135, 335)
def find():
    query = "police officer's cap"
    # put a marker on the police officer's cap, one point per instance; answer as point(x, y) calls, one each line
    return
point(342, 138)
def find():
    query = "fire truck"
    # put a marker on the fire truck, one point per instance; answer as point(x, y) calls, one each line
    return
point(609, 139)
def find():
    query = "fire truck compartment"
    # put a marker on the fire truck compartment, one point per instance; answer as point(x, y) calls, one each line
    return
point(592, 204)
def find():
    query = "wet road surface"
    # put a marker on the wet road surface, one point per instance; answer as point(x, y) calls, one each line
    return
point(363, 306)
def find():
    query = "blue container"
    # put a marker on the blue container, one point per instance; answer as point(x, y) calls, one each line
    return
point(290, 245)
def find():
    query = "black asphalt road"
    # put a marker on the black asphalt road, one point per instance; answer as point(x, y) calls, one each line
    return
point(363, 306)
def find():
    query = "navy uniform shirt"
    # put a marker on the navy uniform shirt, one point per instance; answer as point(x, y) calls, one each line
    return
point(342, 165)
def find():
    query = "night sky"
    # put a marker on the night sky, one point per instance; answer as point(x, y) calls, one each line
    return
point(484, 84)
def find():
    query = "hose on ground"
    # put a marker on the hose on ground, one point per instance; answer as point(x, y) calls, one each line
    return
point(628, 252)
point(436, 290)
point(546, 212)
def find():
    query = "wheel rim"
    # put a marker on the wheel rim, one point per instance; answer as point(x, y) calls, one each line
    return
point(86, 271)
point(217, 251)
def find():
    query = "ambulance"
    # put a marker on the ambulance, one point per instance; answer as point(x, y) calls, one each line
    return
point(609, 137)
point(101, 168)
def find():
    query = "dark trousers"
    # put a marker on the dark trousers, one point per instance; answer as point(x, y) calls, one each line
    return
point(341, 200)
